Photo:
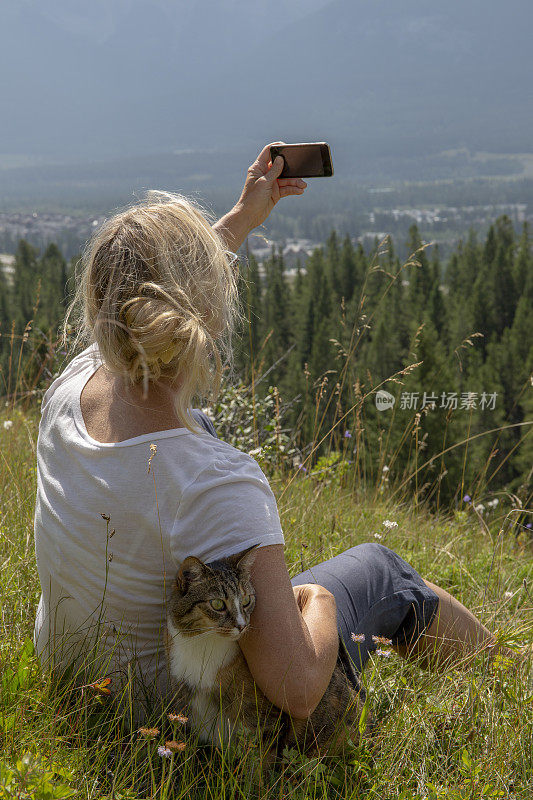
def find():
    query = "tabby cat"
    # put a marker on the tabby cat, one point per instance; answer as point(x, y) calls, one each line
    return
point(208, 611)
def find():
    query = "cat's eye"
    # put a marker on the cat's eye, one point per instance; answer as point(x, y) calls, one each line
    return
point(246, 600)
point(217, 604)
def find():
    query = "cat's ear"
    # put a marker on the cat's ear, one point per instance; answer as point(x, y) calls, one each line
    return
point(190, 569)
point(245, 558)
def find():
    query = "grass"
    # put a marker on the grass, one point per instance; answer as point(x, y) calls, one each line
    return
point(449, 734)
point(454, 733)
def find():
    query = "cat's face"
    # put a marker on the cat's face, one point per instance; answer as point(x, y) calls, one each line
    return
point(218, 598)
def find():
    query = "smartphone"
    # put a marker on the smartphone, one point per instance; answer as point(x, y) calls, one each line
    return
point(306, 160)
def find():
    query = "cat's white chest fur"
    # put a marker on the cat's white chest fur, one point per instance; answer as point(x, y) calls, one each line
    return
point(196, 660)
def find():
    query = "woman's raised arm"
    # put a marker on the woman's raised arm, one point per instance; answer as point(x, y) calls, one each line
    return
point(262, 190)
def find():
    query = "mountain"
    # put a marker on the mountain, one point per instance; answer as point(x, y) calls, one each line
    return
point(373, 77)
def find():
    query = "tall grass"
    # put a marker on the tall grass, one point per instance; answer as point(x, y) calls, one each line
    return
point(454, 733)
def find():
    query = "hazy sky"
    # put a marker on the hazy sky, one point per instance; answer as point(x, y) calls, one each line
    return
point(128, 77)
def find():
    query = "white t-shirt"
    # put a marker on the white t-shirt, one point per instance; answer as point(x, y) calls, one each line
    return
point(201, 497)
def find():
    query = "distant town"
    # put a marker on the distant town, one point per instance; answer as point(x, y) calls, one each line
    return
point(442, 225)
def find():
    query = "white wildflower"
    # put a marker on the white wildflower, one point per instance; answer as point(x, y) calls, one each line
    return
point(383, 653)
point(358, 637)
point(378, 536)
point(389, 523)
point(493, 503)
point(508, 595)
point(385, 468)
point(480, 508)
point(8, 424)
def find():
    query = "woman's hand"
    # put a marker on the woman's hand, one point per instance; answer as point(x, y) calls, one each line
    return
point(263, 188)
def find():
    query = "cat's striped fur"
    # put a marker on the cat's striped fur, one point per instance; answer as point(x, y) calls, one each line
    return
point(214, 686)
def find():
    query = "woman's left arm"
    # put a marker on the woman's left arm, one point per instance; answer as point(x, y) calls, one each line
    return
point(263, 188)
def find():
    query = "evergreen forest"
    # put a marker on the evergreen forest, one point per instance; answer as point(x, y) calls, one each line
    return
point(413, 374)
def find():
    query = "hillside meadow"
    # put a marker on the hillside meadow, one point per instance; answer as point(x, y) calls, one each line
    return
point(454, 734)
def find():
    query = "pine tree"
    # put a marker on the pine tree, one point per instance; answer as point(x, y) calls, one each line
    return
point(250, 304)
point(504, 291)
point(333, 261)
point(316, 303)
point(349, 272)
point(482, 305)
point(523, 264)
point(436, 304)
point(5, 326)
point(26, 283)
point(420, 277)
point(276, 314)
point(52, 268)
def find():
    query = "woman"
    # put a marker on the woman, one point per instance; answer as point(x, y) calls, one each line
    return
point(131, 481)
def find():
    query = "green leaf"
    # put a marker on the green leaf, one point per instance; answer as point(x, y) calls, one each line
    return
point(7, 723)
point(465, 758)
point(14, 680)
point(364, 716)
point(24, 666)
point(63, 791)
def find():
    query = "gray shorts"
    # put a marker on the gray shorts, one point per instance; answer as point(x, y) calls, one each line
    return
point(377, 594)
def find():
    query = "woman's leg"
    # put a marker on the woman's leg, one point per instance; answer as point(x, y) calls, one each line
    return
point(454, 637)
point(378, 595)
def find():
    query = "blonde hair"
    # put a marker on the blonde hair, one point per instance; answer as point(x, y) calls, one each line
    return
point(157, 292)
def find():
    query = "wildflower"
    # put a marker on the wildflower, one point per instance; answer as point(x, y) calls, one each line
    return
point(480, 508)
point(175, 747)
point(304, 469)
point(381, 640)
point(385, 468)
point(164, 752)
point(493, 503)
point(467, 499)
point(390, 524)
point(148, 733)
point(347, 435)
point(383, 653)
point(153, 451)
point(8, 424)
point(178, 718)
point(529, 526)
point(358, 637)
point(508, 595)
point(378, 536)
point(101, 687)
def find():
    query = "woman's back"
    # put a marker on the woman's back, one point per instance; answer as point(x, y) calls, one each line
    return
point(167, 494)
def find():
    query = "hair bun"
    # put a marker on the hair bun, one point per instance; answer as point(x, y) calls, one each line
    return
point(159, 296)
